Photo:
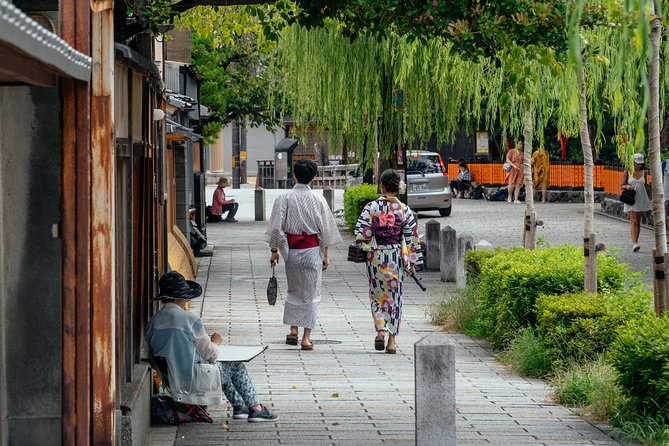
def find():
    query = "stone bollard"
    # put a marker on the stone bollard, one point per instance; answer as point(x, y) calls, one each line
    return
point(435, 390)
point(432, 257)
point(259, 199)
point(448, 254)
point(328, 193)
point(465, 243)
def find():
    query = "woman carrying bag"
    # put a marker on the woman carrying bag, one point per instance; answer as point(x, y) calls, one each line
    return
point(637, 183)
point(387, 231)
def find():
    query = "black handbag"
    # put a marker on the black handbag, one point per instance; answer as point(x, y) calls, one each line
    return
point(272, 288)
point(356, 254)
point(627, 196)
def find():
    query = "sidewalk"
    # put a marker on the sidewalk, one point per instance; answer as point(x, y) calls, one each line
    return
point(344, 392)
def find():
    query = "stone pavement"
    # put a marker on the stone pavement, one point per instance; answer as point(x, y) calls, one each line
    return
point(346, 393)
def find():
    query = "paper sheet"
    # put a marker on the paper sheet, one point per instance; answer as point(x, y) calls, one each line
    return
point(239, 353)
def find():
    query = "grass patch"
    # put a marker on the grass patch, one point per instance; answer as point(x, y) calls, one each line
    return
point(591, 386)
point(459, 311)
point(527, 354)
point(648, 430)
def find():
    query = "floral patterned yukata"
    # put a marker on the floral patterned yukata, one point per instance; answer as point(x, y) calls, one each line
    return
point(387, 230)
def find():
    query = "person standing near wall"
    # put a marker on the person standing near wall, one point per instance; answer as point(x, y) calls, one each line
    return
point(541, 170)
point(642, 204)
point(514, 178)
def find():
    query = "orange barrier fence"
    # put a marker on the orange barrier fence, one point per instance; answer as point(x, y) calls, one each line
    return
point(562, 175)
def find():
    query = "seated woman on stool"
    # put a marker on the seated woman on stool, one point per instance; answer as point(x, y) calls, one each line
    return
point(463, 182)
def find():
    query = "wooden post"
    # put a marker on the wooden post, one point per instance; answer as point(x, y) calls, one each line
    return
point(75, 232)
point(660, 264)
point(664, 306)
point(590, 258)
point(530, 229)
point(103, 261)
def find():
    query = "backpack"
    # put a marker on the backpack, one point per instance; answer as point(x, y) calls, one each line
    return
point(476, 193)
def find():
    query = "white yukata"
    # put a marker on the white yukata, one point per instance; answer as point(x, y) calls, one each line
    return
point(302, 211)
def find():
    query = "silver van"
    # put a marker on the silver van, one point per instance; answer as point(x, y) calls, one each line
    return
point(427, 183)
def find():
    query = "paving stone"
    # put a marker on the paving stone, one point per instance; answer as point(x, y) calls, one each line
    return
point(375, 402)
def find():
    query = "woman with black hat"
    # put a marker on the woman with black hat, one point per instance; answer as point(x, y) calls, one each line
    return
point(176, 334)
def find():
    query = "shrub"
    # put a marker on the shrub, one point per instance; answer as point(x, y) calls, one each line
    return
point(590, 385)
point(355, 199)
point(473, 260)
point(459, 311)
point(526, 354)
point(580, 326)
point(640, 355)
point(512, 280)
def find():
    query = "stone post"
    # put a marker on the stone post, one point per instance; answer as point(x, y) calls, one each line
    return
point(465, 243)
point(448, 254)
point(328, 194)
point(432, 257)
point(259, 200)
point(435, 390)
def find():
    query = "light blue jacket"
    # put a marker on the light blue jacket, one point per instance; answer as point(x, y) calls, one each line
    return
point(179, 337)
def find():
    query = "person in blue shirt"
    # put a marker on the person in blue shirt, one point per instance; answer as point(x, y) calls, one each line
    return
point(194, 375)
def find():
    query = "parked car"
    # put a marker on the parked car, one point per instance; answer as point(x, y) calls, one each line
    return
point(427, 183)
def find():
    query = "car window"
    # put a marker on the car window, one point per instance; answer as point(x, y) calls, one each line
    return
point(424, 164)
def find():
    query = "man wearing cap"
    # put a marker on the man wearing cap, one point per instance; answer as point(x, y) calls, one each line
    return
point(220, 204)
point(176, 334)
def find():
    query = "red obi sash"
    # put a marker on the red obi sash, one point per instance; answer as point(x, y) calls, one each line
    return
point(302, 241)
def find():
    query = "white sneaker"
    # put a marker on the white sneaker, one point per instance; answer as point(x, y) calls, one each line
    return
point(517, 201)
point(636, 247)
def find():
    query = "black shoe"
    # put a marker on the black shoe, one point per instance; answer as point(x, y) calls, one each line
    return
point(258, 416)
point(240, 413)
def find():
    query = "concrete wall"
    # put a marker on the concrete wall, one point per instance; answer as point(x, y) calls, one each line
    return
point(259, 146)
point(30, 266)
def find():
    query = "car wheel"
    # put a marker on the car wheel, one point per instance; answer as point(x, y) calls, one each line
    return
point(445, 212)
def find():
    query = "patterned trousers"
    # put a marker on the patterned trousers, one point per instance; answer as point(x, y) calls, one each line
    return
point(237, 384)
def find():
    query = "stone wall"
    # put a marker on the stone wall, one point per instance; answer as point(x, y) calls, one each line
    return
point(613, 207)
point(558, 196)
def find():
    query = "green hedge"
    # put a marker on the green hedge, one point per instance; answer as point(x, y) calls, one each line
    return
point(580, 326)
point(512, 280)
point(640, 355)
point(355, 199)
point(474, 259)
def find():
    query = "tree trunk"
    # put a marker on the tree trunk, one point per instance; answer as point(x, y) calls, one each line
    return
point(589, 250)
point(530, 225)
point(659, 289)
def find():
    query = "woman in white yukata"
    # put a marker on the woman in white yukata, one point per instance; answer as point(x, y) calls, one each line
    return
point(387, 230)
point(302, 228)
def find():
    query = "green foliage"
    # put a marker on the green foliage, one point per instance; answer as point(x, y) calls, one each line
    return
point(474, 27)
point(591, 386)
point(512, 280)
point(459, 311)
point(640, 354)
point(527, 354)
point(355, 199)
point(232, 55)
point(473, 260)
point(580, 326)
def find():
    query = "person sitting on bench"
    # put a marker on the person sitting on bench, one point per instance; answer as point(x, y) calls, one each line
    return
point(178, 336)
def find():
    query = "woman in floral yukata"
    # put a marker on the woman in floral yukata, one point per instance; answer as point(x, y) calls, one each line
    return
point(387, 230)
